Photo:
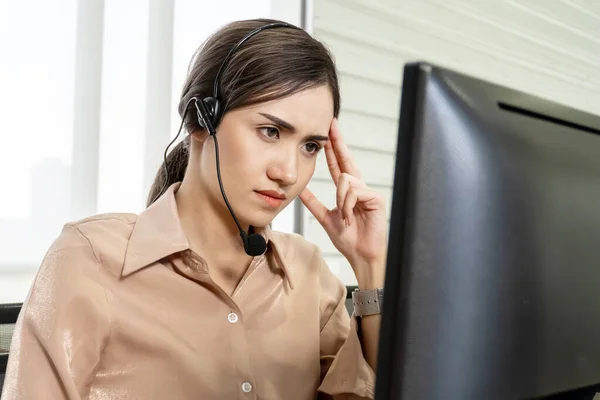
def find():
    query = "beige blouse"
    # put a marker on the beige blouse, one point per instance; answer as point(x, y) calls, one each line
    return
point(121, 308)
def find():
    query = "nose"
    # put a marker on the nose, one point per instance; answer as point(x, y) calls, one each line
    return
point(284, 167)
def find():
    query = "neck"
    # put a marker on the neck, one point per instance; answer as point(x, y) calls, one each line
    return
point(211, 230)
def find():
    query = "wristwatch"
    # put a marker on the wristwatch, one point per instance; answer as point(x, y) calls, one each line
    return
point(367, 302)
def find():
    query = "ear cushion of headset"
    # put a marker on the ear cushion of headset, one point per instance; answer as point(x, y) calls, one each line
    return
point(214, 108)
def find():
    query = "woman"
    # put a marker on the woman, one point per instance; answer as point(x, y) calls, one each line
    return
point(169, 304)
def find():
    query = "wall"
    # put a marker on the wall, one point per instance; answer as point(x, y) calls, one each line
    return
point(549, 48)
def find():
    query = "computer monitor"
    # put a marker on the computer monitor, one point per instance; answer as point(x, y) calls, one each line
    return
point(493, 272)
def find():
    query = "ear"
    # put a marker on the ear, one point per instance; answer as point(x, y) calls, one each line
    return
point(199, 136)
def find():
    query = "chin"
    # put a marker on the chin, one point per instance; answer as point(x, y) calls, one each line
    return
point(260, 219)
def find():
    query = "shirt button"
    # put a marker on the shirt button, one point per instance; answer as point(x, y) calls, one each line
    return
point(232, 317)
point(246, 387)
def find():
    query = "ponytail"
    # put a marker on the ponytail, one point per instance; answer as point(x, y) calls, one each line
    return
point(177, 161)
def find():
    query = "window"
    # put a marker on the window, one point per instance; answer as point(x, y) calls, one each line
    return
point(39, 99)
point(36, 98)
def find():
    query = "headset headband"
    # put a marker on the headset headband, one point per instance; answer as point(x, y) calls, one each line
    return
point(234, 49)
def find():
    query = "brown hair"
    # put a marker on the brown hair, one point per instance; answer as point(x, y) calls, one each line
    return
point(272, 64)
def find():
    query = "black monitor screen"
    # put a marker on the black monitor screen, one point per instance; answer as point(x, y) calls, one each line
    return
point(493, 275)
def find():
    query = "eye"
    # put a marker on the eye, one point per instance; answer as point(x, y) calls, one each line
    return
point(270, 132)
point(312, 147)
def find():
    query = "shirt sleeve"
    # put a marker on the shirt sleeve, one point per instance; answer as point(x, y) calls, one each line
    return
point(62, 327)
point(345, 373)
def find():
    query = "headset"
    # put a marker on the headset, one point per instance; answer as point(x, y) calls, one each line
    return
point(209, 112)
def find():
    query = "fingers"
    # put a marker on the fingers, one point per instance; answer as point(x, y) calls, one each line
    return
point(342, 154)
point(332, 164)
point(344, 183)
point(351, 192)
point(338, 156)
point(355, 196)
point(314, 205)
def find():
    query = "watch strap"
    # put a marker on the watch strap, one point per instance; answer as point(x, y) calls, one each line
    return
point(367, 302)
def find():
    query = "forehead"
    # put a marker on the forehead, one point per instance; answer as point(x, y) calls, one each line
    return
point(310, 110)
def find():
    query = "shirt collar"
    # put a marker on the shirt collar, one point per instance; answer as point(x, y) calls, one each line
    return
point(157, 234)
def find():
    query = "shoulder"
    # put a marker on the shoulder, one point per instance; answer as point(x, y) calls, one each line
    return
point(294, 249)
point(70, 284)
point(102, 225)
point(100, 239)
point(295, 244)
point(305, 259)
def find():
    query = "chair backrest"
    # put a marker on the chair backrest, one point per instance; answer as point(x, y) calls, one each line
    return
point(349, 290)
point(8, 317)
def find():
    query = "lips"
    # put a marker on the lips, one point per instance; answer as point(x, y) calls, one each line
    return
point(272, 193)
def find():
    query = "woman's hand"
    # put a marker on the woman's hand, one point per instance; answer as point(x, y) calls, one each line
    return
point(358, 225)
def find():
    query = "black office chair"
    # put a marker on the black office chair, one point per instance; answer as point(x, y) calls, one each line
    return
point(349, 290)
point(8, 317)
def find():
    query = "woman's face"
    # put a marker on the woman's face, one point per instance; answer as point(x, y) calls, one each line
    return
point(267, 154)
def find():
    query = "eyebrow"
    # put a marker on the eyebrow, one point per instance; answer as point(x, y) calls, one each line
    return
point(287, 126)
